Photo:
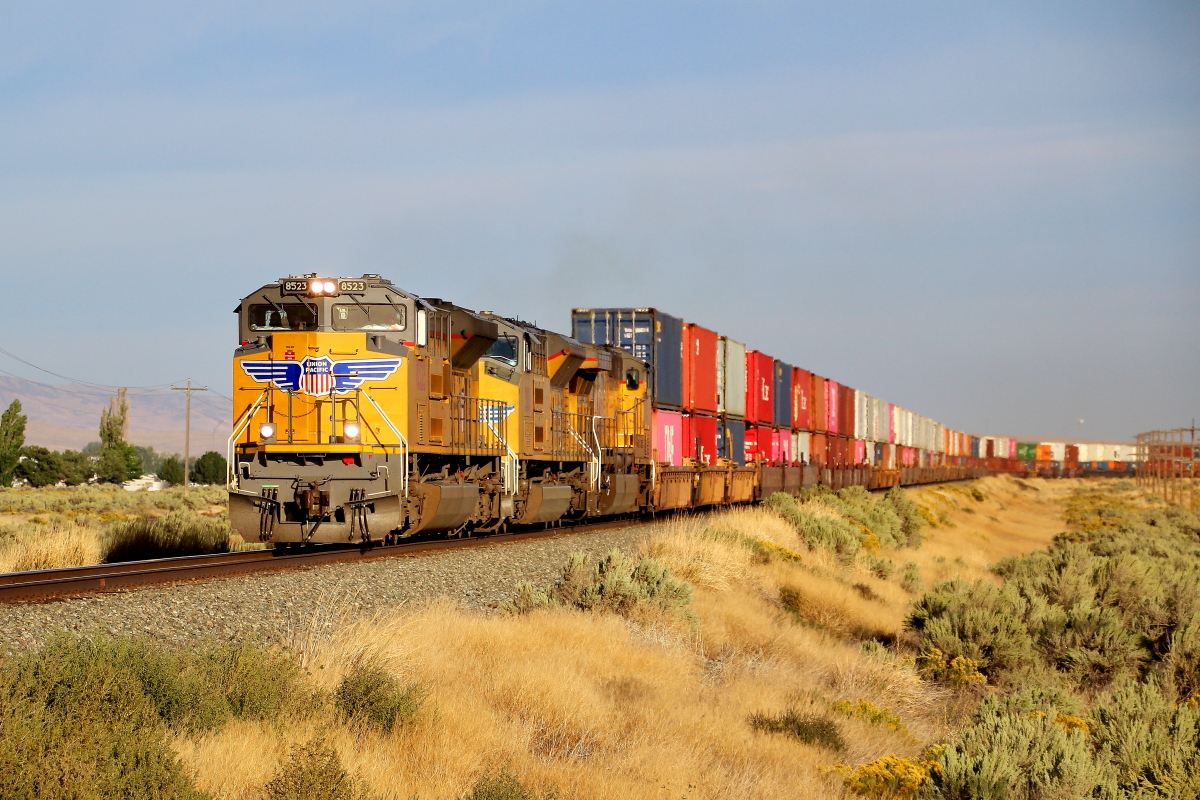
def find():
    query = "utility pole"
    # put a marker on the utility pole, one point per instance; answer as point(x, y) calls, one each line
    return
point(187, 429)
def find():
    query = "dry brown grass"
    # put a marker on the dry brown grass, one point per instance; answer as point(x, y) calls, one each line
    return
point(53, 545)
point(597, 706)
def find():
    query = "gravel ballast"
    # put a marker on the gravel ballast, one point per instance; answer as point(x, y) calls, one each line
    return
point(275, 605)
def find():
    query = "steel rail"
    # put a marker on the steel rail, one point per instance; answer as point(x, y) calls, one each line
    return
point(53, 583)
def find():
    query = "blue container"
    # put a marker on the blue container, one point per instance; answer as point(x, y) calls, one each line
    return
point(783, 394)
point(975, 447)
point(648, 335)
point(731, 440)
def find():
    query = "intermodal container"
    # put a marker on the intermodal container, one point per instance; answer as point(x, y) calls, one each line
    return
point(782, 392)
point(801, 399)
point(1027, 451)
point(832, 407)
point(817, 417)
point(802, 446)
point(1071, 453)
point(668, 437)
point(891, 413)
point(760, 380)
point(818, 449)
point(1012, 449)
point(781, 446)
point(700, 438)
point(989, 446)
point(860, 451)
point(845, 411)
point(731, 440)
point(648, 334)
point(699, 369)
point(758, 443)
point(731, 378)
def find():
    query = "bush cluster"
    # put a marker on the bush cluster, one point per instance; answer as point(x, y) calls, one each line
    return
point(811, 729)
point(1097, 640)
point(853, 523)
point(616, 584)
point(88, 717)
point(369, 696)
point(180, 533)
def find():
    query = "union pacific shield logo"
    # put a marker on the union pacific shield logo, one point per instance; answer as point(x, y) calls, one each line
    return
point(320, 376)
point(317, 379)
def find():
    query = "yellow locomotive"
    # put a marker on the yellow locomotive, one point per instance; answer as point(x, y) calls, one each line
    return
point(365, 414)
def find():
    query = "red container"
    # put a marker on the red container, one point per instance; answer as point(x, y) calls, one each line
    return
point(832, 407)
point(1072, 453)
point(891, 424)
point(817, 396)
point(801, 399)
point(860, 451)
point(758, 443)
point(760, 378)
point(818, 449)
point(668, 437)
point(991, 449)
point(699, 369)
point(846, 410)
point(700, 438)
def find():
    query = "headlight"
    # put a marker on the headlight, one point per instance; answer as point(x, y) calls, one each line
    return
point(329, 286)
point(266, 431)
point(316, 287)
point(350, 430)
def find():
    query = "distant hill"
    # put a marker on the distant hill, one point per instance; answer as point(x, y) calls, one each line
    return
point(68, 416)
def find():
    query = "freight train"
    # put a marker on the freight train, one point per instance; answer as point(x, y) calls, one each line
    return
point(366, 414)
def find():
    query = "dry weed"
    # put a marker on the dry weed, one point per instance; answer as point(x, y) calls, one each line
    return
point(58, 544)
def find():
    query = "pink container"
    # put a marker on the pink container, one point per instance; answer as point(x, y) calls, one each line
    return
point(891, 412)
point(1012, 448)
point(668, 437)
point(832, 396)
point(781, 446)
point(860, 451)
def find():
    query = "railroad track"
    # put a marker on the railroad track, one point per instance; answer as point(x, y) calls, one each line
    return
point(47, 584)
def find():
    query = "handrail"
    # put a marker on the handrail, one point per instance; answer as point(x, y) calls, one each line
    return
point(239, 426)
point(509, 470)
point(399, 437)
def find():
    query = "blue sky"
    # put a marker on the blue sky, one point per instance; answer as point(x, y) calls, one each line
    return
point(988, 213)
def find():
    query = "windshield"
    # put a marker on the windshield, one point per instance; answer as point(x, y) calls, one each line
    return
point(504, 349)
point(369, 317)
point(282, 317)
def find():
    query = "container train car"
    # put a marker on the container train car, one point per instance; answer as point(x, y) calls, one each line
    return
point(366, 414)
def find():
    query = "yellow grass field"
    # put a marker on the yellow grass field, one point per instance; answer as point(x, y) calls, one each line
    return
point(588, 705)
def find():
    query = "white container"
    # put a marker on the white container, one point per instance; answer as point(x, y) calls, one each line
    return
point(731, 377)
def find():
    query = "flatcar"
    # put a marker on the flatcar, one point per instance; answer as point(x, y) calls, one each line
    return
point(366, 414)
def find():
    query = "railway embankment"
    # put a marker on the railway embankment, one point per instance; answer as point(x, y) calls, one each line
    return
point(812, 648)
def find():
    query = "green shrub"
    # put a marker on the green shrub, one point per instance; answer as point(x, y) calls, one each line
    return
point(910, 578)
point(368, 695)
point(1013, 752)
point(911, 520)
point(180, 533)
point(881, 568)
point(614, 584)
point(502, 784)
point(808, 728)
point(76, 721)
point(314, 771)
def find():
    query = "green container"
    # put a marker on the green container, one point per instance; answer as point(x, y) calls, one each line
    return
point(1026, 452)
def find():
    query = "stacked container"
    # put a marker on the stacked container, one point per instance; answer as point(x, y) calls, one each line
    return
point(760, 382)
point(700, 393)
point(801, 400)
point(649, 335)
point(731, 399)
point(782, 393)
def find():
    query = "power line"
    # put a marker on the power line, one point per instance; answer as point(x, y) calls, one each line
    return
point(77, 380)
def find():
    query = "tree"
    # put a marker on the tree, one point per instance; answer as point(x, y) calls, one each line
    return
point(12, 439)
point(40, 467)
point(77, 467)
point(171, 471)
point(209, 468)
point(119, 461)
